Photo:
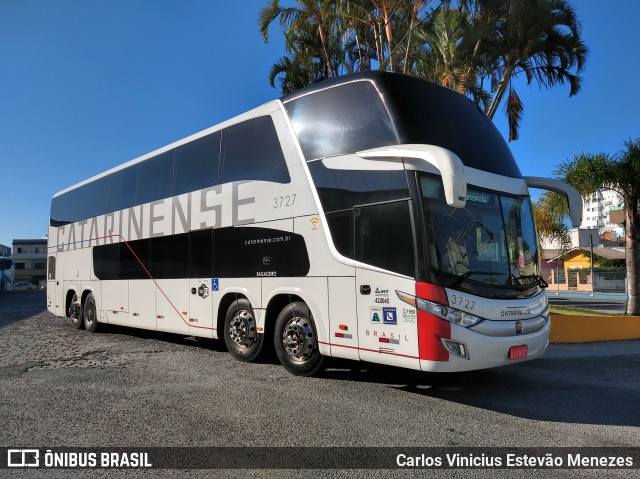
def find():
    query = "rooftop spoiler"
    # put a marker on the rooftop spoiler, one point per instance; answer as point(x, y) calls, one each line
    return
point(448, 164)
point(560, 187)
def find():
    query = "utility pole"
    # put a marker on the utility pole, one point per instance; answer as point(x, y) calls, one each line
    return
point(591, 261)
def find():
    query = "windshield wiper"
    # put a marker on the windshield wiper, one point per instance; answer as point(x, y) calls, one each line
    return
point(539, 280)
point(464, 276)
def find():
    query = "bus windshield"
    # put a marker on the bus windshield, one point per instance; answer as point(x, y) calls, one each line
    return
point(492, 240)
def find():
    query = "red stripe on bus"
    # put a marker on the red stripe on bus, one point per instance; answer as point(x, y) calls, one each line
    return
point(432, 292)
point(368, 350)
point(431, 328)
point(153, 279)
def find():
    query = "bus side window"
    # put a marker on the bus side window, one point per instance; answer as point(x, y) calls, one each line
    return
point(341, 227)
point(169, 256)
point(81, 203)
point(197, 164)
point(122, 189)
point(155, 178)
point(130, 265)
point(201, 254)
point(384, 237)
point(51, 268)
point(251, 151)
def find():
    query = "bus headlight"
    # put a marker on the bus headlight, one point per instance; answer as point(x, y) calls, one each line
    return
point(540, 307)
point(452, 315)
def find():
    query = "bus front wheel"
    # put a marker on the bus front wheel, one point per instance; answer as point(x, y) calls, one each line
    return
point(241, 331)
point(296, 340)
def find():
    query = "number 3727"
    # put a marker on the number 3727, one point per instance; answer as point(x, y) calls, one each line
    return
point(466, 303)
point(284, 201)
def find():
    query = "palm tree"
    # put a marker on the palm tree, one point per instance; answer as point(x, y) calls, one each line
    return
point(301, 65)
point(318, 13)
point(444, 61)
point(394, 25)
point(413, 11)
point(477, 47)
point(292, 73)
point(446, 58)
point(537, 38)
point(370, 22)
point(550, 213)
point(621, 173)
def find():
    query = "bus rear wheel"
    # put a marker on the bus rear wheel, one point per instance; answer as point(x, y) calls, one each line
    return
point(89, 313)
point(296, 340)
point(241, 331)
point(75, 312)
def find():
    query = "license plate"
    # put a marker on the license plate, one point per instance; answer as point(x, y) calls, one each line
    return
point(518, 352)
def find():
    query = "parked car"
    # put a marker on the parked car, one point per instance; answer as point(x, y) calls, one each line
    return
point(22, 286)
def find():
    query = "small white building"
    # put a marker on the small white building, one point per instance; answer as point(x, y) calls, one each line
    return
point(580, 238)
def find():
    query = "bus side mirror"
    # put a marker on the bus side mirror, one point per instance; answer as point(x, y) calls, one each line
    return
point(560, 187)
point(447, 163)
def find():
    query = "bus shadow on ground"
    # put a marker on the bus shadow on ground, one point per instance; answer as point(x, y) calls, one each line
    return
point(599, 391)
point(591, 390)
point(169, 338)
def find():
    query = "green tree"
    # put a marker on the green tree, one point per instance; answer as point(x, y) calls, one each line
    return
point(382, 30)
point(621, 173)
point(315, 15)
point(445, 58)
point(477, 47)
point(539, 39)
point(550, 213)
point(301, 66)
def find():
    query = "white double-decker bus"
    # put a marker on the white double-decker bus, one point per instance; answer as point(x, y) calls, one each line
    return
point(374, 217)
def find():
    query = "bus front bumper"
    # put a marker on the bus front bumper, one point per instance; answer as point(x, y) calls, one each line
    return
point(484, 351)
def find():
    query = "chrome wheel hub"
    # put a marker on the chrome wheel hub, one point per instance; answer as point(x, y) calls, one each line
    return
point(90, 315)
point(298, 339)
point(74, 310)
point(242, 329)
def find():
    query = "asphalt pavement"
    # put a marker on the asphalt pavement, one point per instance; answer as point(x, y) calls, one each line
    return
point(128, 388)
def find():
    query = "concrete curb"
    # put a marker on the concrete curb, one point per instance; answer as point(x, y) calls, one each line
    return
point(590, 329)
point(585, 295)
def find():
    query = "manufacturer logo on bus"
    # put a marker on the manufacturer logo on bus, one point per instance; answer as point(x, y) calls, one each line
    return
point(519, 327)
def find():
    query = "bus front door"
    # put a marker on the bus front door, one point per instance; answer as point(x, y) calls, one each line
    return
point(387, 326)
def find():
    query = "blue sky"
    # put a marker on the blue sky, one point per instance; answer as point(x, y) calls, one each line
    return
point(88, 84)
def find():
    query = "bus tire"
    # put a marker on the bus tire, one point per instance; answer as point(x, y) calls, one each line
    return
point(241, 331)
point(75, 312)
point(296, 340)
point(89, 313)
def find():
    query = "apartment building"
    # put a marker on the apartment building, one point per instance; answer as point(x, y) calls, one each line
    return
point(30, 257)
point(595, 213)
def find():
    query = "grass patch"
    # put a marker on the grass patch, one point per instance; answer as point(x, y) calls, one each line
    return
point(572, 311)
